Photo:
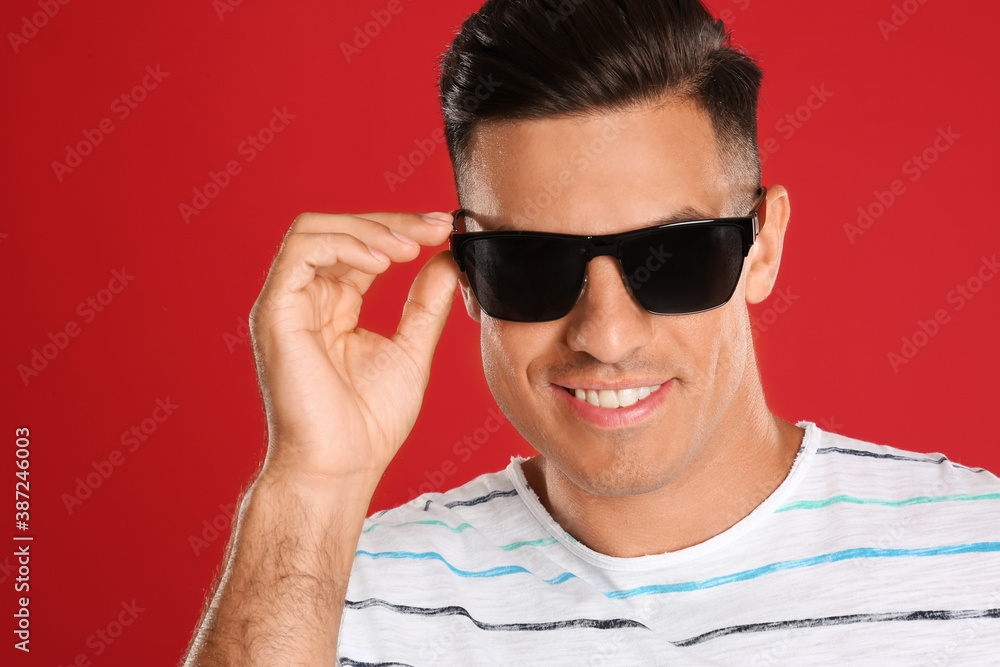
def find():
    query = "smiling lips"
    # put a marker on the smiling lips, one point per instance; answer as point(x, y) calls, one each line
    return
point(613, 398)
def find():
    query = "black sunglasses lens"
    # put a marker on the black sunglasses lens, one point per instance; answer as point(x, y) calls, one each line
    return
point(684, 269)
point(525, 279)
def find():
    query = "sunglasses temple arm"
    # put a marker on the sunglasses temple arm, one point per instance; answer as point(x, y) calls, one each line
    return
point(761, 210)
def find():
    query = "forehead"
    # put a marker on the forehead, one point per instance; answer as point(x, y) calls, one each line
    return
point(595, 174)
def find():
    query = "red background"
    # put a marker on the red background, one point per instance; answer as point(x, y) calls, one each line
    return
point(171, 331)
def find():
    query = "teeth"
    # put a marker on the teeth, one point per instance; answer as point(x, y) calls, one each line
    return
point(612, 399)
point(609, 399)
point(627, 397)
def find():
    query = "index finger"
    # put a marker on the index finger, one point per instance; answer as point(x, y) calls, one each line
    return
point(429, 229)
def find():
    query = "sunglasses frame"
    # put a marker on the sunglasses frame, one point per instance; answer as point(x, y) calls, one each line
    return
point(610, 244)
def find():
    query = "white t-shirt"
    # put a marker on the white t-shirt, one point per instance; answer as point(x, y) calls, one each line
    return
point(864, 555)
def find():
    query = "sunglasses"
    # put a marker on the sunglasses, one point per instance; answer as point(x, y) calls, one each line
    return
point(677, 268)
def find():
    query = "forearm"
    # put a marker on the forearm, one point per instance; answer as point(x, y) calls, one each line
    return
point(281, 594)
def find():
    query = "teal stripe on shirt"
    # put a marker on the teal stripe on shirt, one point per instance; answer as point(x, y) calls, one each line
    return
point(836, 556)
point(427, 522)
point(543, 542)
point(817, 504)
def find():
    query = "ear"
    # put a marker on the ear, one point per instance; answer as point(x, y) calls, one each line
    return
point(765, 254)
point(471, 305)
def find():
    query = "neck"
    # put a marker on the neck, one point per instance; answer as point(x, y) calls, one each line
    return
point(750, 455)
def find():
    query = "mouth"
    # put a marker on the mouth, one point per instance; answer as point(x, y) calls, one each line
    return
point(608, 406)
point(612, 399)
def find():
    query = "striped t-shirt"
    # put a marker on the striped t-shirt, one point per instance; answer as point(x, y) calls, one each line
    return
point(864, 555)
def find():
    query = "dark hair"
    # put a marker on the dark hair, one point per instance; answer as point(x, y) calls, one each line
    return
point(528, 59)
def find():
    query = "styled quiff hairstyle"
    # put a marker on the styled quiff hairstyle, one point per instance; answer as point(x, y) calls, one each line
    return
point(532, 59)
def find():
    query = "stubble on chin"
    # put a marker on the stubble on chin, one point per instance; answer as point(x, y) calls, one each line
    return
point(618, 469)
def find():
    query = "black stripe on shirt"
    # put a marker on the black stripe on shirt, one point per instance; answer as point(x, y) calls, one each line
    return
point(481, 499)
point(894, 457)
point(940, 615)
point(355, 663)
point(475, 501)
point(598, 624)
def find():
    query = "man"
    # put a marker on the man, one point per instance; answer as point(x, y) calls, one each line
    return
point(613, 232)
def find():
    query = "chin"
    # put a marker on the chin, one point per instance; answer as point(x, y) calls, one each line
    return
point(625, 470)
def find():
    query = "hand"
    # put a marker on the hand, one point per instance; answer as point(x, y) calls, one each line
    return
point(341, 400)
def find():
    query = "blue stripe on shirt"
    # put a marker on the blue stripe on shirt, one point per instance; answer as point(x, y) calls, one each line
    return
point(836, 556)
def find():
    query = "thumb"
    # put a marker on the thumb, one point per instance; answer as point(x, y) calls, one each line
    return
point(427, 308)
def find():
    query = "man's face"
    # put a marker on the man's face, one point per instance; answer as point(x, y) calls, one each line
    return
point(599, 175)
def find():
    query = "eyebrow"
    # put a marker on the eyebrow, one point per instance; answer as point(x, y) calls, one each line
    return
point(682, 215)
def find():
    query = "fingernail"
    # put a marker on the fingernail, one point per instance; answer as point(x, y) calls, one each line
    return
point(379, 254)
point(403, 237)
point(437, 218)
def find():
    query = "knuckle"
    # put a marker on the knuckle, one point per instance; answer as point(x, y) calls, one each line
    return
point(291, 240)
point(302, 219)
point(352, 239)
point(336, 241)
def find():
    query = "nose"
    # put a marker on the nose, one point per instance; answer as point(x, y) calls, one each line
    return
point(606, 322)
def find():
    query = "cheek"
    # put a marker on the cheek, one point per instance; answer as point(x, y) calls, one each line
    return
point(731, 335)
point(731, 346)
point(501, 364)
point(719, 350)
point(512, 353)
point(494, 355)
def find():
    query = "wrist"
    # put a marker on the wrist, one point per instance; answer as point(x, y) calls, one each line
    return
point(341, 492)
